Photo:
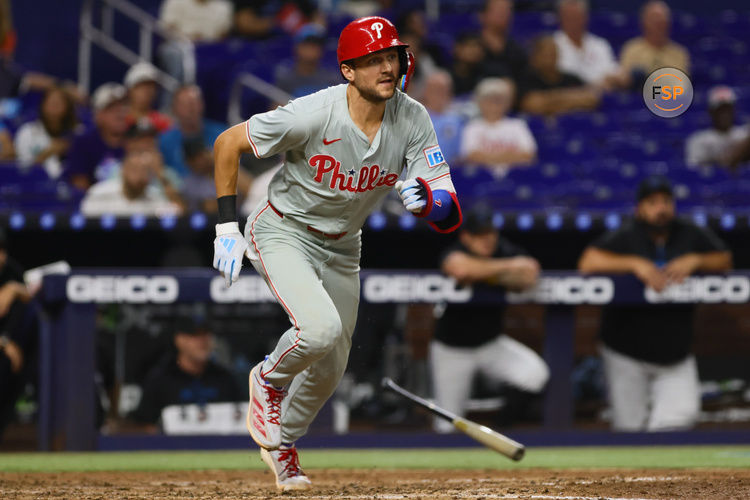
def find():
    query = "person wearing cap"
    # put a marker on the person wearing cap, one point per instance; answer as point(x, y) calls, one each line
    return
point(494, 140)
point(18, 333)
point(95, 153)
point(187, 375)
point(198, 189)
point(724, 143)
point(305, 74)
point(651, 375)
point(141, 80)
point(469, 338)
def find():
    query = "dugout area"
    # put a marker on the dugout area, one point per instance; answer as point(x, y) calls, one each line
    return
point(706, 472)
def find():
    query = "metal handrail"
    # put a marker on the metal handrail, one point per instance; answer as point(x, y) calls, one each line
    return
point(103, 38)
point(248, 80)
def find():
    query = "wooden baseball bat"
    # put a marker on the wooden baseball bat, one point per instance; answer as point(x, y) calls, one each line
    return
point(481, 433)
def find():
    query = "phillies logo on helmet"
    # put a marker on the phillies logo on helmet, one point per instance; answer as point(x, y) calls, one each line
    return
point(365, 179)
point(377, 27)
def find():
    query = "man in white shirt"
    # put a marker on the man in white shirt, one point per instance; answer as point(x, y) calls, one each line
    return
point(493, 140)
point(581, 53)
point(724, 143)
point(131, 192)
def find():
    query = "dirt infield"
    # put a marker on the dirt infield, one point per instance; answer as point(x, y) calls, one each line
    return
point(387, 484)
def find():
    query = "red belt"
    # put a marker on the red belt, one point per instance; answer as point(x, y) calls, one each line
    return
point(334, 236)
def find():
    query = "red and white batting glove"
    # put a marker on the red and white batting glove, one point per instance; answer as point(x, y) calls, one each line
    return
point(229, 249)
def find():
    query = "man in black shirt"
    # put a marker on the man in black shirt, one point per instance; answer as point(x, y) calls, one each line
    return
point(468, 338)
point(18, 333)
point(652, 377)
point(503, 56)
point(189, 377)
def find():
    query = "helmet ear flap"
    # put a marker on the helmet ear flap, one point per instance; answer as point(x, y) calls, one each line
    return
point(407, 68)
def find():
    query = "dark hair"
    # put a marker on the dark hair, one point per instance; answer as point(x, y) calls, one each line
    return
point(69, 119)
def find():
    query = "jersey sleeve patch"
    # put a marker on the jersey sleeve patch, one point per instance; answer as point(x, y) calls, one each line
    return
point(434, 156)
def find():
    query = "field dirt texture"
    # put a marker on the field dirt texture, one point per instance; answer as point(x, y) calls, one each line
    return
point(387, 484)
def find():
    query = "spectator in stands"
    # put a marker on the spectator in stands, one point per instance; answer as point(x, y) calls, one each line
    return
point(187, 376)
point(548, 91)
point(412, 22)
point(495, 140)
point(95, 154)
point(18, 333)
point(580, 52)
point(724, 143)
point(437, 97)
point(652, 377)
point(8, 36)
point(503, 57)
point(642, 55)
point(251, 19)
point(195, 20)
point(187, 108)
point(305, 74)
point(46, 140)
point(140, 138)
point(466, 70)
point(7, 152)
point(132, 192)
point(198, 188)
point(141, 80)
point(469, 338)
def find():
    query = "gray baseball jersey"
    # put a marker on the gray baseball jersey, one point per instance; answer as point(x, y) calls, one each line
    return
point(306, 241)
point(333, 177)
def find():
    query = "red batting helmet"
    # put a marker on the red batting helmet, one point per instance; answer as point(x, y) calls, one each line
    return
point(367, 35)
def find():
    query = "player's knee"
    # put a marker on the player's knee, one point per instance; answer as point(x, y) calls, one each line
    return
point(322, 334)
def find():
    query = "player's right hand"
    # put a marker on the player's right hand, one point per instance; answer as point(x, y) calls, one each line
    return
point(229, 249)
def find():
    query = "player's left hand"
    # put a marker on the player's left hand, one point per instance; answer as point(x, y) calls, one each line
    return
point(229, 249)
point(413, 195)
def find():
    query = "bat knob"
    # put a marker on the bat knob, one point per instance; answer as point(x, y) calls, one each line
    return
point(385, 382)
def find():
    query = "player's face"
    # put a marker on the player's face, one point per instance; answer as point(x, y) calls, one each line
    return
point(480, 244)
point(657, 209)
point(375, 75)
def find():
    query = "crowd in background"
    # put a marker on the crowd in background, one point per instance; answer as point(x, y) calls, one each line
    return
point(136, 148)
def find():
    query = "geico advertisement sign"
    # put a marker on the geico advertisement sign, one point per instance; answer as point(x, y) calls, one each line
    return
point(567, 290)
point(413, 288)
point(246, 289)
point(703, 289)
point(128, 289)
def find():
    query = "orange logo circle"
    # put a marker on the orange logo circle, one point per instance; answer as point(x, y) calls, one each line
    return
point(668, 92)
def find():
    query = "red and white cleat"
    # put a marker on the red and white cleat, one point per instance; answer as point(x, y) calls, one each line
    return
point(284, 463)
point(264, 411)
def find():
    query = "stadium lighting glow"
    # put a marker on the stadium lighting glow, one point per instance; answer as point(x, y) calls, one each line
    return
point(17, 220)
point(47, 221)
point(583, 221)
point(377, 221)
point(525, 221)
point(168, 221)
point(407, 221)
point(727, 221)
point(198, 221)
point(700, 219)
point(498, 220)
point(612, 221)
point(77, 221)
point(138, 221)
point(108, 221)
point(554, 221)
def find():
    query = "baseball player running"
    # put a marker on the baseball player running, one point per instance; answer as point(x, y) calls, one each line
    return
point(346, 147)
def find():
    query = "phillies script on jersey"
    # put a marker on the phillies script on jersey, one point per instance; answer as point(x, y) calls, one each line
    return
point(367, 179)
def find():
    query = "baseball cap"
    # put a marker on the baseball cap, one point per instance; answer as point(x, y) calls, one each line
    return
point(191, 324)
point(654, 184)
point(141, 128)
point(310, 32)
point(108, 94)
point(139, 73)
point(721, 94)
point(479, 219)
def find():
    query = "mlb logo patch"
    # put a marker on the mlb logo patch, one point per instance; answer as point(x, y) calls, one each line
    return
point(434, 156)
